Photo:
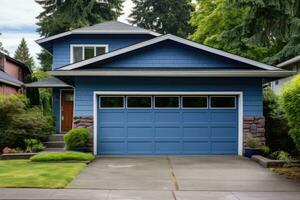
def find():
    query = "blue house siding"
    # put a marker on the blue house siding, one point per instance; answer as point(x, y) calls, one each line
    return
point(251, 88)
point(56, 108)
point(170, 54)
point(61, 47)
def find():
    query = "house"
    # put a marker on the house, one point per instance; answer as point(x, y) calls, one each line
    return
point(143, 93)
point(293, 65)
point(12, 74)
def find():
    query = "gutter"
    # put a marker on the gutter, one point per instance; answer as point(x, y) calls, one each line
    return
point(10, 83)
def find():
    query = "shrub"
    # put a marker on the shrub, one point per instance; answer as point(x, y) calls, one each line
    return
point(277, 129)
point(19, 122)
point(252, 142)
point(265, 150)
point(62, 156)
point(280, 155)
point(33, 145)
point(291, 104)
point(76, 138)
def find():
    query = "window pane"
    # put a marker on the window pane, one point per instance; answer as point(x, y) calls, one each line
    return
point(166, 102)
point(77, 54)
point(100, 51)
point(112, 102)
point(139, 102)
point(194, 102)
point(69, 97)
point(89, 52)
point(222, 102)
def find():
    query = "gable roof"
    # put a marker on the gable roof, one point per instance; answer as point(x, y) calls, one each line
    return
point(109, 27)
point(7, 79)
point(164, 38)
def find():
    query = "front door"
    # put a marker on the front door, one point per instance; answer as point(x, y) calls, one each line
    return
point(67, 105)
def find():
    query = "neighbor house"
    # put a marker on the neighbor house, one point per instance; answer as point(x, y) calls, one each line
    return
point(12, 75)
point(293, 65)
point(142, 93)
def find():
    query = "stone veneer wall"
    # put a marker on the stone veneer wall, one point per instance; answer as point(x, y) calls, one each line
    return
point(254, 126)
point(86, 122)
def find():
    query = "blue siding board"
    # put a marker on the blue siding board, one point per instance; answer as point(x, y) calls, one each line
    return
point(61, 47)
point(169, 54)
point(85, 86)
point(56, 108)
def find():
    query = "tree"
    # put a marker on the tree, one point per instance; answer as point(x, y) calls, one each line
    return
point(64, 15)
point(22, 54)
point(291, 105)
point(2, 49)
point(163, 16)
point(263, 30)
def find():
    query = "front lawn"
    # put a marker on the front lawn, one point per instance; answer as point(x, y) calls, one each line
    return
point(23, 173)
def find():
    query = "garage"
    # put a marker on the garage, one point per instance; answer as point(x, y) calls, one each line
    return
point(167, 124)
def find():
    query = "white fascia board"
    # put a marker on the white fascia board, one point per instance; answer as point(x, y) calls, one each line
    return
point(174, 73)
point(173, 38)
point(289, 62)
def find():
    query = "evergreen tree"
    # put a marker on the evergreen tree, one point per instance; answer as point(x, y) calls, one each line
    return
point(163, 16)
point(22, 54)
point(2, 49)
point(65, 15)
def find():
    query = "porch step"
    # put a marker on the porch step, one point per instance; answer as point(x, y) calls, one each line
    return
point(56, 137)
point(54, 149)
point(54, 144)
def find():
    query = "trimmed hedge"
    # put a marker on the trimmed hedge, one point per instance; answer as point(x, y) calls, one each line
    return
point(62, 156)
point(76, 138)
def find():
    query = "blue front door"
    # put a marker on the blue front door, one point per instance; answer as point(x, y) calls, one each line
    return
point(167, 125)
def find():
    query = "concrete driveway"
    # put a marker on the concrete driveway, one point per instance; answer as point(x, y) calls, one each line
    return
point(170, 178)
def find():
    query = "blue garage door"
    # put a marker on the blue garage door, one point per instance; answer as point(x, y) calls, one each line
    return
point(167, 125)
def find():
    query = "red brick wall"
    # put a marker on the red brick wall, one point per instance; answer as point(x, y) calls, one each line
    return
point(8, 90)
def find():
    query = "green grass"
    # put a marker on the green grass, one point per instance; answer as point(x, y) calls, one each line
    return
point(26, 174)
point(62, 156)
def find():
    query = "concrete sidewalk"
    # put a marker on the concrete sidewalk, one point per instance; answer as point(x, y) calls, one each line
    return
point(74, 194)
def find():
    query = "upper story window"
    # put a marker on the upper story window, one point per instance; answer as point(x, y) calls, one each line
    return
point(83, 52)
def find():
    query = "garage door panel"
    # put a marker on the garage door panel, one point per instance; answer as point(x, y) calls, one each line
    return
point(224, 147)
point(168, 147)
point(112, 132)
point(223, 116)
point(140, 117)
point(140, 132)
point(196, 147)
point(224, 132)
point(140, 148)
point(195, 117)
point(110, 116)
point(168, 132)
point(111, 147)
point(168, 116)
point(196, 132)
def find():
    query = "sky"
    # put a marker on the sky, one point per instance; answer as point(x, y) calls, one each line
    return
point(18, 20)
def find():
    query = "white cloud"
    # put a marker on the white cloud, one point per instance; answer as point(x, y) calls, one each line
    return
point(18, 20)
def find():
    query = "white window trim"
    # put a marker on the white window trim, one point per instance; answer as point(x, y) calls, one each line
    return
point(112, 108)
point(195, 108)
point(167, 108)
point(144, 108)
point(233, 93)
point(86, 45)
point(222, 108)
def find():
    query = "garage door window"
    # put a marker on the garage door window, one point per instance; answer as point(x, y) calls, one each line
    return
point(194, 102)
point(111, 102)
point(139, 102)
point(222, 102)
point(166, 102)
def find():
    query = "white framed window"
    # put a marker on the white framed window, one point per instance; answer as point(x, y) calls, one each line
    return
point(222, 102)
point(139, 102)
point(111, 102)
point(81, 52)
point(167, 102)
point(194, 102)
